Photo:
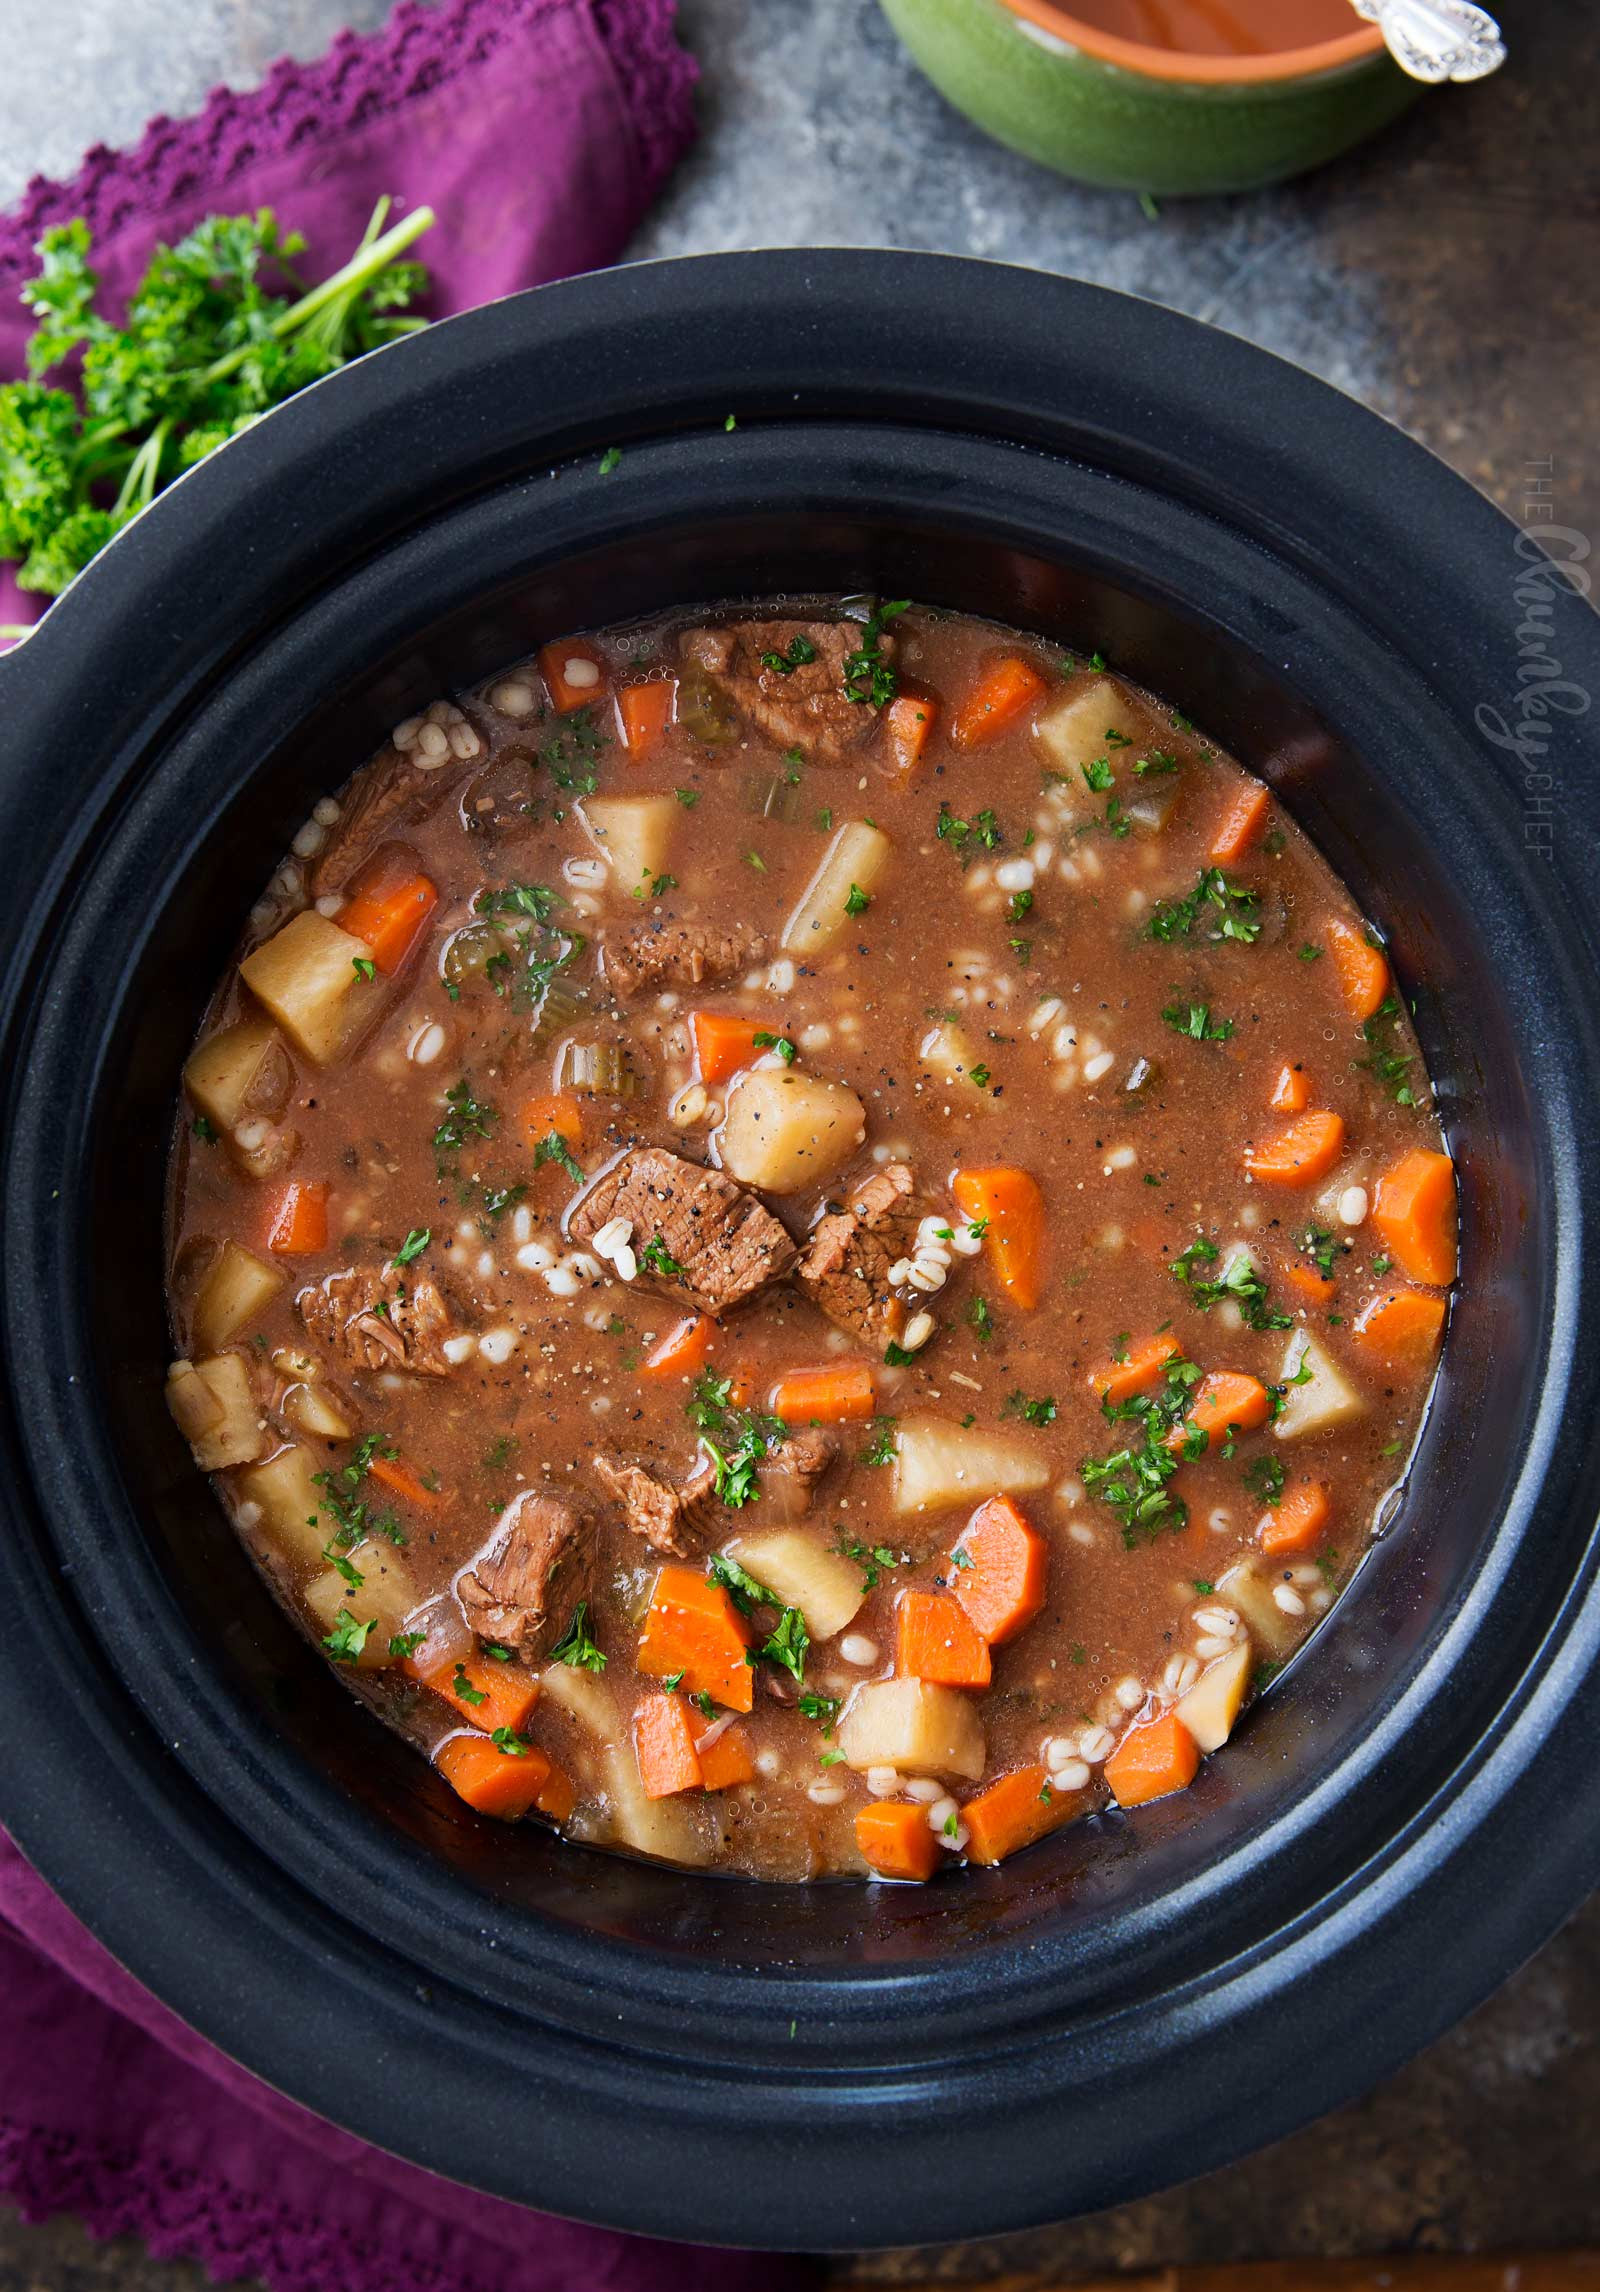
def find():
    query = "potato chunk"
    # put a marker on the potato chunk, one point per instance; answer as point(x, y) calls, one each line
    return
point(1326, 1398)
point(804, 1574)
point(937, 1463)
point(307, 977)
point(948, 1052)
point(220, 1073)
point(1247, 1586)
point(214, 1406)
point(1075, 732)
point(663, 1827)
point(908, 1724)
point(1213, 1703)
point(784, 1130)
point(239, 1286)
point(856, 858)
point(383, 1599)
point(292, 1506)
point(634, 833)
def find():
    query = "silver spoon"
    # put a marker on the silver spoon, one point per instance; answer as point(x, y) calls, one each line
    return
point(1437, 40)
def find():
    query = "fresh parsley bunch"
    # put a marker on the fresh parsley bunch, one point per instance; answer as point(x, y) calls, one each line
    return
point(218, 330)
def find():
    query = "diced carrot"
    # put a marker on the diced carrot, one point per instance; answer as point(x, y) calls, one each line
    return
point(908, 721)
point(1291, 1093)
point(694, 1628)
point(727, 1762)
point(508, 1692)
point(565, 668)
point(1139, 1371)
point(645, 711)
point(501, 1783)
point(1318, 1287)
point(998, 1570)
point(1301, 1154)
point(1360, 968)
point(396, 1474)
point(895, 1839)
point(1156, 1757)
point(1014, 1235)
point(1013, 1812)
point(937, 1641)
point(1225, 1397)
point(389, 906)
point(1402, 1326)
point(1414, 1209)
point(723, 1043)
point(1242, 824)
point(557, 1115)
point(557, 1794)
point(663, 1745)
point(1299, 1518)
point(830, 1395)
point(682, 1351)
point(999, 697)
point(300, 1222)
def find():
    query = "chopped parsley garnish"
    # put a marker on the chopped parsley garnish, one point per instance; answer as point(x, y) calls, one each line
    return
point(1023, 951)
point(654, 886)
point(1227, 909)
point(468, 1117)
point(1040, 1412)
point(1264, 1477)
point(462, 1688)
point(575, 1646)
point(1322, 1246)
point(1019, 905)
point(735, 1439)
point(960, 835)
point(687, 797)
point(880, 1449)
point(787, 1643)
point(406, 1643)
point(364, 967)
point(871, 1558)
point(572, 756)
point(741, 1587)
point(536, 901)
point(756, 861)
point(868, 677)
point(610, 460)
point(1384, 1062)
point(347, 1638)
point(1152, 766)
point(205, 1130)
point(981, 1319)
point(1133, 1479)
point(800, 654)
point(896, 1356)
point(509, 1744)
point(1098, 775)
point(412, 1247)
point(857, 901)
point(500, 1452)
point(980, 1075)
point(1309, 954)
point(554, 1148)
point(496, 1201)
point(1195, 1021)
point(779, 1043)
point(823, 1707)
point(1241, 1280)
point(660, 1259)
point(354, 1518)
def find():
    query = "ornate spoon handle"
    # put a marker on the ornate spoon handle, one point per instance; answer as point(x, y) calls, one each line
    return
point(1437, 40)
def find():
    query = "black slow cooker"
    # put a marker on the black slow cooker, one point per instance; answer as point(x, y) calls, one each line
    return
point(1416, 1802)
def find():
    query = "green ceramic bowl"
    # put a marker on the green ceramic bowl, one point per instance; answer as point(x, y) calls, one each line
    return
point(1144, 119)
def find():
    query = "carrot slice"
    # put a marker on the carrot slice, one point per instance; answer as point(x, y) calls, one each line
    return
point(831, 1395)
point(1225, 1397)
point(999, 697)
point(300, 1222)
point(1014, 1235)
point(1301, 1154)
point(1013, 1812)
point(937, 1641)
point(1319, 1287)
point(487, 1694)
point(998, 1570)
point(1242, 824)
point(682, 1351)
point(1153, 1759)
point(557, 1116)
point(727, 1762)
point(908, 721)
point(1414, 1209)
point(1360, 968)
point(1139, 1371)
point(1302, 1513)
point(663, 1746)
point(723, 1044)
point(502, 1783)
point(566, 668)
point(389, 906)
point(399, 1476)
point(645, 711)
point(895, 1839)
point(1291, 1093)
point(1402, 1326)
point(694, 1628)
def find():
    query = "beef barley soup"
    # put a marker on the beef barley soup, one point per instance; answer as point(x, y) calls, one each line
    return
point(807, 1239)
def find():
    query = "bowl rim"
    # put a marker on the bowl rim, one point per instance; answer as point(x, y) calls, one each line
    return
point(1231, 417)
point(1182, 68)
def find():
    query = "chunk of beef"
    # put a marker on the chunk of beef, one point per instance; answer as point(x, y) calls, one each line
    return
point(806, 706)
point(845, 1265)
point(521, 1593)
point(669, 1518)
point(678, 955)
point(377, 800)
point(696, 1235)
point(788, 1476)
point(384, 1319)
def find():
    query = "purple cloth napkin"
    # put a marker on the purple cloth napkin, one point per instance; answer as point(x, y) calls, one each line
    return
point(538, 130)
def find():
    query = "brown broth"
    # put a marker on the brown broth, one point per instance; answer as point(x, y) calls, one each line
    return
point(1054, 987)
